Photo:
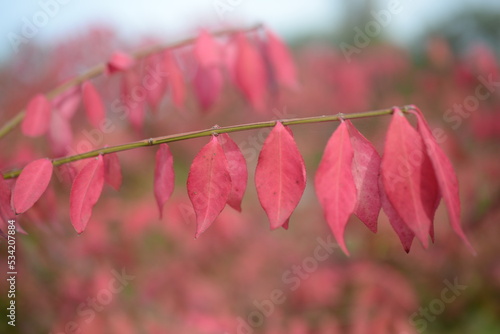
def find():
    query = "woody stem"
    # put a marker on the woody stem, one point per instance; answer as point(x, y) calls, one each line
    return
point(208, 132)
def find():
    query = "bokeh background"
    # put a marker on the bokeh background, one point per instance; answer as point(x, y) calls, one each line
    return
point(434, 55)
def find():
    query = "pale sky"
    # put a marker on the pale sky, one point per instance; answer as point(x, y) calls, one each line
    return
point(169, 19)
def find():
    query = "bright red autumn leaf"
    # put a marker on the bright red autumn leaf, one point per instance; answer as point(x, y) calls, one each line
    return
point(404, 233)
point(119, 61)
point(164, 177)
point(250, 72)
point(365, 170)
point(446, 177)
point(408, 177)
point(237, 168)
point(280, 176)
point(208, 184)
point(334, 183)
point(93, 104)
point(112, 170)
point(208, 84)
point(37, 119)
point(281, 61)
point(85, 191)
point(206, 50)
point(175, 79)
point(31, 184)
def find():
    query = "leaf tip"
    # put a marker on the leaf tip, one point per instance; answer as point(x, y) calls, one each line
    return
point(469, 245)
point(342, 245)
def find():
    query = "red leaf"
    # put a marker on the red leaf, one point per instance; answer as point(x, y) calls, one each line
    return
point(446, 177)
point(6, 211)
point(208, 86)
point(335, 185)
point(285, 224)
point(93, 104)
point(208, 184)
point(133, 104)
point(112, 171)
point(37, 119)
point(408, 177)
point(31, 184)
point(250, 72)
point(365, 171)
point(281, 60)
point(154, 81)
point(280, 175)
point(60, 134)
point(136, 115)
point(85, 191)
point(164, 176)
point(119, 61)
point(175, 80)
point(67, 102)
point(206, 50)
point(398, 225)
point(237, 168)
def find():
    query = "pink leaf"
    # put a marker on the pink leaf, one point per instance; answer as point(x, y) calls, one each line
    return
point(175, 80)
point(67, 102)
point(119, 61)
point(446, 177)
point(281, 60)
point(250, 72)
point(133, 104)
point(136, 115)
point(208, 184)
point(237, 168)
point(164, 180)
point(154, 80)
point(365, 170)
point(206, 50)
point(93, 104)
point(408, 177)
point(31, 184)
point(335, 185)
point(37, 119)
point(60, 134)
point(280, 175)
point(112, 170)
point(208, 86)
point(85, 191)
point(398, 225)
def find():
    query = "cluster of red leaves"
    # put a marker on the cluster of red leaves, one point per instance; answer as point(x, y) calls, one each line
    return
point(253, 62)
point(195, 275)
point(407, 182)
